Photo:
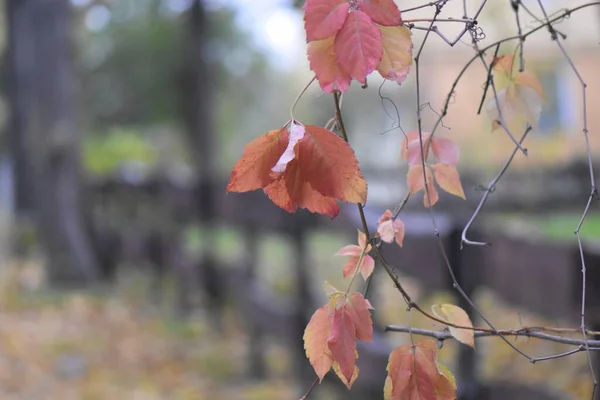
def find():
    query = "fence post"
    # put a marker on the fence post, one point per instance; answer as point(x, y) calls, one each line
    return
point(256, 354)
point(303, 300)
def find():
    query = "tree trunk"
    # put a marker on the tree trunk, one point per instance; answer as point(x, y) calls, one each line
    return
point(45, 144)
point(197, 111)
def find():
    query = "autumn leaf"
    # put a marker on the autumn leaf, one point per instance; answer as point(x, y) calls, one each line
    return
point(324, 18)
point(457, 316)
point(383, 12)
point(518, 94)
point(444, 150)
point(330, 336)
point(301, 166)
point(446, 176)
point(397, 53)
point(323, 62)
point(443, 172)
point(253, 170)
point(342, 342)
point(329, 164)
point(315, 342)
point(413, 374)
point(367, 264)
point(358, 45)
point(338, 372)
point(358, 308)
point(416, 183)
point(390, 229)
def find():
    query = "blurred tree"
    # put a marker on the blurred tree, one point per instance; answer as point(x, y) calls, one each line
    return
point(44, 139)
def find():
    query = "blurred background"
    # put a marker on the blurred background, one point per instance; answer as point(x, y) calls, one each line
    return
point(128, 273)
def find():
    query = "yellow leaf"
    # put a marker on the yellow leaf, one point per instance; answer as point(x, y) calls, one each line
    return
point(457, 316)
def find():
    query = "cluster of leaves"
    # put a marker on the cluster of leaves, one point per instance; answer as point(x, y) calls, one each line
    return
point(301, 166)
point(349, 39)
point(312, 167)
point(416, 150)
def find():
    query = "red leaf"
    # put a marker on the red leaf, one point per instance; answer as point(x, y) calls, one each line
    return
point(323, 62)
point(324, 18)
point(278, 193)
point(447, 177)
point(253, 169)
point(397, 53)
point(303, 195)
point(358, 310)
point(358, 46)
point(328, 163)
point(413, 374)
point(342, 342)
point(309, 168)
point(315, 341)
point(383, 12)
point(416, 184)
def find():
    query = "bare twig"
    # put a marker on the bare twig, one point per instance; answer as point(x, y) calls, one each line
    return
point(491, 187)
point(310, 389)
point(525, 332)
point(555, 38)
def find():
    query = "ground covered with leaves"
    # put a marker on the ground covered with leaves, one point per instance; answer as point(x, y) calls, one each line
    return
point(113, 345)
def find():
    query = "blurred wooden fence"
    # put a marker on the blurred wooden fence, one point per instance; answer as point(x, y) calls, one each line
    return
point(542, 278)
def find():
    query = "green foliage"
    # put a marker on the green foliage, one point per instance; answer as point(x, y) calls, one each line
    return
point(104, 154)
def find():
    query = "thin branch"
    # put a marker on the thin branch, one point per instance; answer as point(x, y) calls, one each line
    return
point(491, 187)
point(555, 38)
point(310, 389)
point(463, 20)
point(560, 16)
point(431, 4)
point(299, 96)
point(445, 334)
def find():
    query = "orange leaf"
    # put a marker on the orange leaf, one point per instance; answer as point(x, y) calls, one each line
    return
point(527, 79)
point(389, 228)
point(413, 374)
point(358, 309)
point(324, 18)
point(397, 52)
point(416, 183)
point(278, 193)
point(358, 45)
point(457, 316)
point(315, 341)
point(342, 342)
point(253, 169)
point(323, 62)
point(328, 163)
point(383, 12)
point(303, 166)
point(303, 195)
point(447, 177)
